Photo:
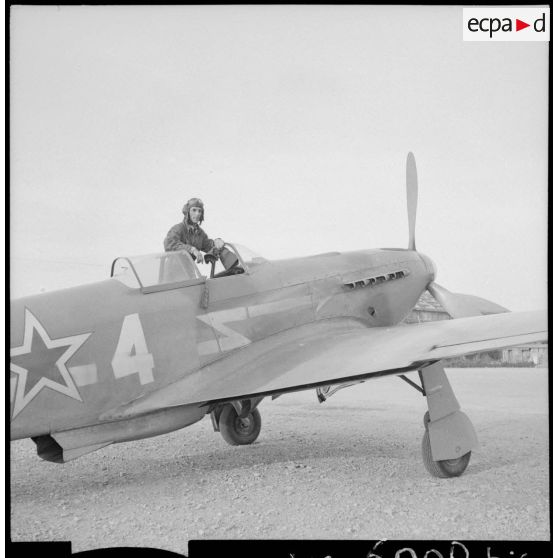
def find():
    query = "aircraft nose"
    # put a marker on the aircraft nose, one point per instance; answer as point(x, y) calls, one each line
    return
point(430, 267)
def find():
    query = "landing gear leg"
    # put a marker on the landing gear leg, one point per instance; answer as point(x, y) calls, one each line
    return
point(449, 435)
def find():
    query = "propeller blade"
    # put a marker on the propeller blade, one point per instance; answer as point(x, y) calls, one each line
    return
point(412, 197)
point(462, 305)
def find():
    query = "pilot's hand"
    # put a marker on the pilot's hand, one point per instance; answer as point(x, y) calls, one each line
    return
point(198, 255)
point(219, 244)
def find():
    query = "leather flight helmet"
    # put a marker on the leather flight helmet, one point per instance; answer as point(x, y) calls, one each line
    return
point(193, 202)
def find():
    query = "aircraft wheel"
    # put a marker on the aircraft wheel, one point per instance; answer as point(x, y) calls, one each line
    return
point(446, 467)
point(239, 431)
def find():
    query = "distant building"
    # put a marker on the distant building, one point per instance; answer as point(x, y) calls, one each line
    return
point(427, 309)
point(537, 353)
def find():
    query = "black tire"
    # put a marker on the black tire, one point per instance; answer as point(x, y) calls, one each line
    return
point(445, 468)
point(238, 431)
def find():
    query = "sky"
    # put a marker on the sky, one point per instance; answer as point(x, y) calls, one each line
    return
point(292, 123)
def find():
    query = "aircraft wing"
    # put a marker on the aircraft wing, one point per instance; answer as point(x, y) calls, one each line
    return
point(334, 352)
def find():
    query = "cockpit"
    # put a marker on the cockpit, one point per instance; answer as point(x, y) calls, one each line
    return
point(171, 270)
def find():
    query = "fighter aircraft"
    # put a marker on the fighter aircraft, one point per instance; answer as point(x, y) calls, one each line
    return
point(157, 346)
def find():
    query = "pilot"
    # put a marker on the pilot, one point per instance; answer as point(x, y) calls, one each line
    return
point(189, 236)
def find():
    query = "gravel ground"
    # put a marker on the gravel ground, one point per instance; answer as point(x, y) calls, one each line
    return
point(349, 468)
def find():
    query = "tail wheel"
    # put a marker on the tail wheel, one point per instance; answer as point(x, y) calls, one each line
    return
point(446, 467)
point(239, 431)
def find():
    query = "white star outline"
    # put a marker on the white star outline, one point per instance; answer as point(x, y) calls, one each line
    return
point(73, 342)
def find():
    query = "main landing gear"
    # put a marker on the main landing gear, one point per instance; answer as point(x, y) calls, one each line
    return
point(239, 422)
point(449, 435)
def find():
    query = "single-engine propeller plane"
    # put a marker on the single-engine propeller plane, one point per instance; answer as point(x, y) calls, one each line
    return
point(157, 346)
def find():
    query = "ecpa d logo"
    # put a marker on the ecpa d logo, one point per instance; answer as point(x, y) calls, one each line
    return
point(506, 24)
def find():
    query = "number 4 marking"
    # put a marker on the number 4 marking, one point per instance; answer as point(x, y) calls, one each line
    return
point(131, 356)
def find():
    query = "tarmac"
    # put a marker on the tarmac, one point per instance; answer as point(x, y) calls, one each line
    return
point(348, 468)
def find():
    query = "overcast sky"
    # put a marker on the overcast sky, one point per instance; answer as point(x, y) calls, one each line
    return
point(292, 123)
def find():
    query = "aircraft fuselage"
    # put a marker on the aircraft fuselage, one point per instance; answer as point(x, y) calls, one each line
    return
point(78, 353)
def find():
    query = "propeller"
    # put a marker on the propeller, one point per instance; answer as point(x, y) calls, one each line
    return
point(463, 305)
point(412, 198)
point(455, 304)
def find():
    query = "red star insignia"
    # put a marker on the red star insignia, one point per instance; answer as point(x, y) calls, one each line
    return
point(41, 362)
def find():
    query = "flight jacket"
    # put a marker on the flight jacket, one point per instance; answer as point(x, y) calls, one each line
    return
point(186, 237)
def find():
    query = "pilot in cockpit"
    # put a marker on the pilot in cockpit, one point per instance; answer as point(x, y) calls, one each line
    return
point(189, 236)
